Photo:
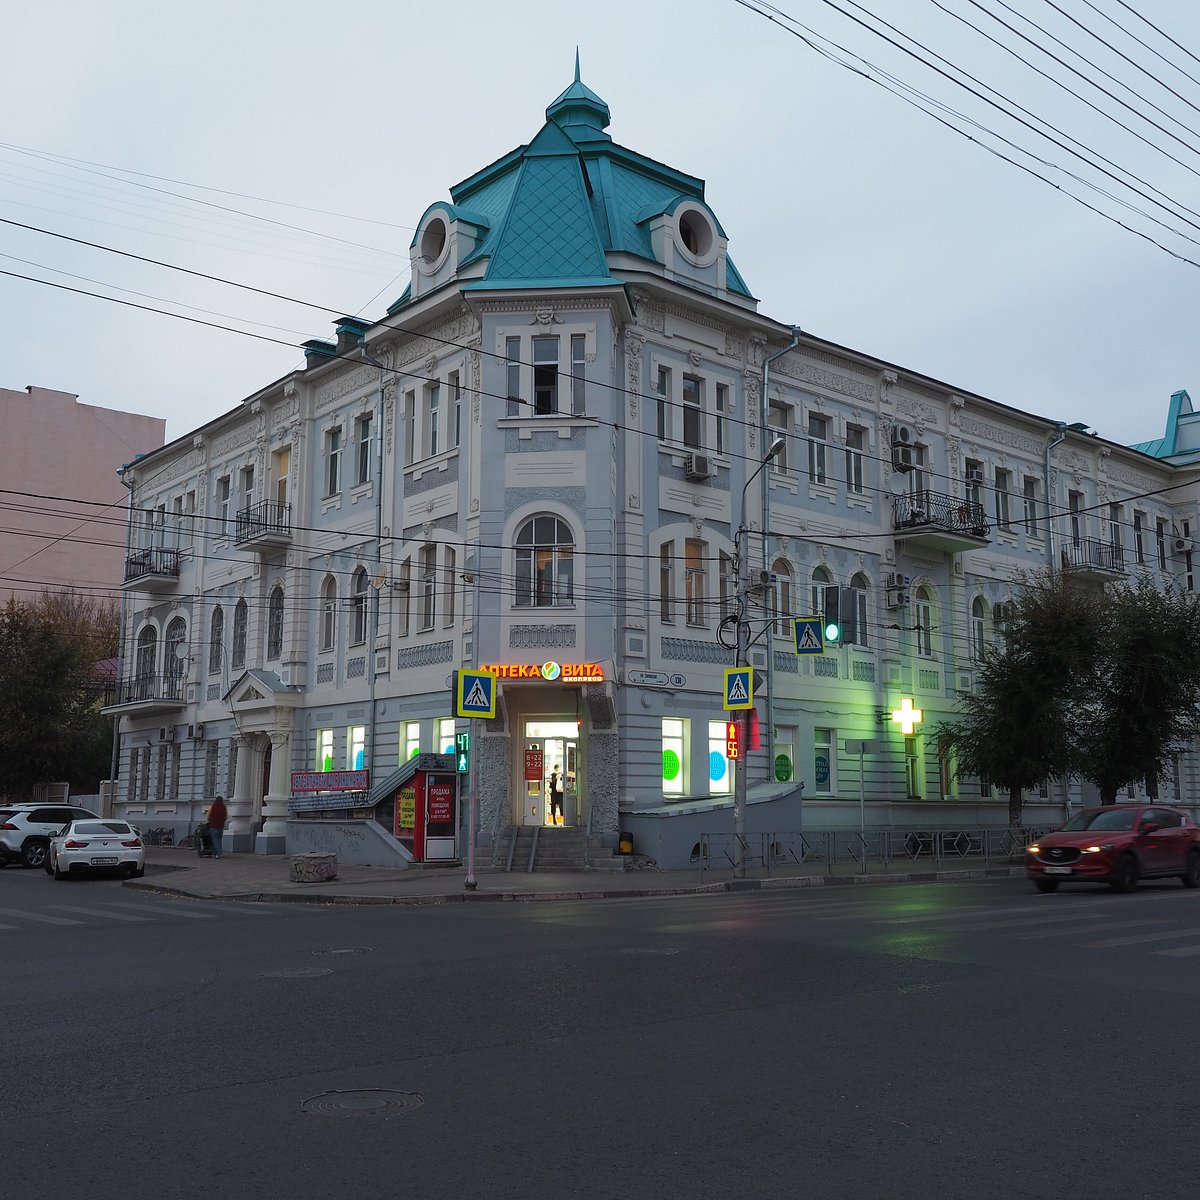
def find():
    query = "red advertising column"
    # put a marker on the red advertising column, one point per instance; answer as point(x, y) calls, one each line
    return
point(441, 818)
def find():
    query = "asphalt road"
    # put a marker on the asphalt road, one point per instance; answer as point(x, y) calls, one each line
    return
point(970, 1040)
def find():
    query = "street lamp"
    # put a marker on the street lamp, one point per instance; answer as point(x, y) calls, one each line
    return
point(743, 650)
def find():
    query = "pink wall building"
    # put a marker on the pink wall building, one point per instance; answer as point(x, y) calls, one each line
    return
point(62, 506)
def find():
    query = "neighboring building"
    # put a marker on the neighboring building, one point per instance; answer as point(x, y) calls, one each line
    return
point(539, 461)
point(65, 503)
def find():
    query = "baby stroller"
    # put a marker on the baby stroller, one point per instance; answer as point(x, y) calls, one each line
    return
point(203, 842)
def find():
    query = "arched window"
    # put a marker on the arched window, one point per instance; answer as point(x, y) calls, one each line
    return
point(924, 622)
point(175, 658)
point(545, 563)
point(275, 623)
point(328, 613)
point(240, 617)
point(147, 652)
point(821, 579)
point(860, 586)
point(358, 607)
point(978, 617)
point(780, 598)
point(216, 640)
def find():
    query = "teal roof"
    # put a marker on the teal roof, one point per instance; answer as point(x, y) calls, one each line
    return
point(554, 209)
point(1181, 441)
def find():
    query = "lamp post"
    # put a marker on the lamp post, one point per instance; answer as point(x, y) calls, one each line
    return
point(743, 650)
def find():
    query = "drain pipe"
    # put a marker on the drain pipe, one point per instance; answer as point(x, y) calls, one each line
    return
point(376, 583)
point(766, 511)
point(114, 759)
point(1061, 426)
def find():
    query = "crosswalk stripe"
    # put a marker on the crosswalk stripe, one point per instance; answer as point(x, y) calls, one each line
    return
point(164, 911)
point(1029, 937)
point(97, 912)
point(1180, 951)
point(1021, 922)
point(1137, 938)
point(23, 915)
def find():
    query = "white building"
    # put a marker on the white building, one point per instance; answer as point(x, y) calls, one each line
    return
point(539, 461)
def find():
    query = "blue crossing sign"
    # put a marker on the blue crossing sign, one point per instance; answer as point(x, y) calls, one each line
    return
point(809, 633)
point(474, 694)
point(739, 687)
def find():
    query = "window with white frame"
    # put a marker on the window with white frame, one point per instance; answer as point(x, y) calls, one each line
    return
point(1160, 542)
point(818, 428)
point(410, 428)
point(324, 750)
point(404, 596)
point(663, 387)
point(545, 563)
point(211, 750)
point(674, 756)
point(545, 375)
point(450, 591)
point(1074, 507)
point(433, 419)
point(358, 607)
point(856, 444)
point(693, 577)
point(779, 423)
point(854, 631)
point(578, 380)
point(974, 481)
point(720, 766)
point(445, 738)
point(328, 613)
point(147, 653)
point(1114, 528)
point(918, 477)
point(410, 740)
point(247, 480)
point(356, 747)
point(275, 623)
point(281, 466)
point(241, 617)
point(216, 640)
point(725, 583)
point(783, 769)
point(780, 598)
point(175, 656)
point(1003, 488)
point(824, 762)
point(1139, 545)
point(512, 375)
point(223, 504)
point(454, 386)
point(978, 625)
point(692, 412)
point(924, 623)
point(821, 579)
point(1030, 495)
point(666, 583)
point(428, 586)
point(721, 407)
point(912, 767)
point(363, 441)
point(333, 461)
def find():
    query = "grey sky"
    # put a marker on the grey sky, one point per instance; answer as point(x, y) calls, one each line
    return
point(848, 212)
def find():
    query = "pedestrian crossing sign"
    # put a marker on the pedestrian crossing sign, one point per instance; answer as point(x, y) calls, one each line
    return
point(739, 687)
point(475, 694)
point(809, 634)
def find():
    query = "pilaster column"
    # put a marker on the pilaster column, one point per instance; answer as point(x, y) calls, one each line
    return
point(272, 839)
point(241, 803)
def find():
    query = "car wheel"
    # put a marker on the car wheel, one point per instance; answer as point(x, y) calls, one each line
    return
point(1046, 885)
point(1191, 871)
point(1125, 878)
point(33, 854)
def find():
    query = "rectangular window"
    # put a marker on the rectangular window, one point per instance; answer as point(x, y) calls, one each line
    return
point(404, 593)
point(333, 465)
point(1138, 543)
point(912, 768)
point(666, 588)
point(664, 403)
point(324, 750)
point(674, 756)
point(247, 488)
point(725, 584)
point(428, 585)
point(924, 628)
point(545, 375)
point(356, 747)
point(694, 581)
point(445, 738)
point(693, 413)
point(454, 384)
point(974, 481)
point(1188, 578)
point(231, 768)
point(1160, 542)
point(1003, 487)
point(817, 427)
point(779, 425)
point(410, 427)
point(211, 750)
point(856, 444)
point(223, 494)
point(451, 588)
point(918, 477)
point(410, 740)
point(512, 354)
point(720, 767)
point(281, 466)
point(363, 438)
point(433, 416)
point(578, 360)
point(824, 761)
point(1074, 507)
point(785, 753)
point(1030, 494)
point(1114, 527)
point(722, 405)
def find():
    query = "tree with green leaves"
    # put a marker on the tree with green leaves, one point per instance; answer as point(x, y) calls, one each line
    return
point(50, 694)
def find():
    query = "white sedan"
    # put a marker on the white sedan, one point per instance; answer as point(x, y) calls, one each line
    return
point(96, 845)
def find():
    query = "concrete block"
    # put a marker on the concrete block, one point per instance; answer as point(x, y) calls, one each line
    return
point(312, 868)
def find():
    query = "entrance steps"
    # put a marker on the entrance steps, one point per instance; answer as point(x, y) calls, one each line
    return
point(545, 848)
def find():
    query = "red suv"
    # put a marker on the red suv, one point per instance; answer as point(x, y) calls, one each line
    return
point(1118, 845)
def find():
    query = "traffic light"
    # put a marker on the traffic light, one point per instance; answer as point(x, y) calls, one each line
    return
point(462, 753)
point(841, 615)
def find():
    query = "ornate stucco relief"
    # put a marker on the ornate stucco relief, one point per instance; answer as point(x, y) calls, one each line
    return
point(798, 368)
point(999, 436)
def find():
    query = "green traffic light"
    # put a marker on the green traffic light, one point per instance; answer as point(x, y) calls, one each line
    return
point(833, 632)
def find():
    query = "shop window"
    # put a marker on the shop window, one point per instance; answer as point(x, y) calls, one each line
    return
point(410, 740)
point(720, 768)
point(446, 732)
point(674, 756)
point(545, 563)
point(824, 762)
point(356, 747)
point(784, 766)
point(324, 750)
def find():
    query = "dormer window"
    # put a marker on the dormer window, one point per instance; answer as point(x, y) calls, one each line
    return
point(697, 237)
point(434, 239)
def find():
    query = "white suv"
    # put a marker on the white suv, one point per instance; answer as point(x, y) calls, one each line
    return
point(26, 830)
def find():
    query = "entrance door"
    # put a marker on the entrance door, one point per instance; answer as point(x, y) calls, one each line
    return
point(552, 757)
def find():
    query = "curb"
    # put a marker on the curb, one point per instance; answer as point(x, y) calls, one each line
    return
point(518, 897)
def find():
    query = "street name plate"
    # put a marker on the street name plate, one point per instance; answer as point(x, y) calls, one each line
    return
point(647, 678)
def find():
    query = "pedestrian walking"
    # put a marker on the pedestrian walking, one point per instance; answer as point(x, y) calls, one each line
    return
point(556, 797)
point(218, 814)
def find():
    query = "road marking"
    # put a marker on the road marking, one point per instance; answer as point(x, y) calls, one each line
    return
point(1138, 939)
point(98, 912)
point(1020, 922)
point(1180, 952)
point(1029, 937)
point(22, 915)
point(166, 912)
point(958, 915)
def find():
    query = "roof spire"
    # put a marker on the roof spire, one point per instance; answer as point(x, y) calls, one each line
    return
point(576, 64)
point(579, 111)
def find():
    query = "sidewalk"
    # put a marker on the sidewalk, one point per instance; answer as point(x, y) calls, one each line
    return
point(264, 878)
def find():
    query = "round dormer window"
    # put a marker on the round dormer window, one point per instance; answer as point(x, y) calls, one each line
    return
point(696, 235)
point(434, 240)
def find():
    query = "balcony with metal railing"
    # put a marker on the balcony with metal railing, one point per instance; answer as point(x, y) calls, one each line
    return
point(932, 521)
point(152, 569)
point(265, 525)
point(146, 695)
point(1090, 558)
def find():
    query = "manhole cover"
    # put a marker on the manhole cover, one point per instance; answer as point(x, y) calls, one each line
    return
point(367, 1102)
point(298, 973)
point(345, 950)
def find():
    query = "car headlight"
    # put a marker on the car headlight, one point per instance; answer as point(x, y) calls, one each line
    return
point(1034, 849)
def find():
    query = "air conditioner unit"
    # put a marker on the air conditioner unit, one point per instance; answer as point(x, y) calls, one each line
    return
point(895, 598)
point(697, 466)
point(1182, 545)
point(902, 458)
point(166, 735)
point(903, 435)
point(196, 732)
point(400, 585)
point(975, 475)
point(896, 580)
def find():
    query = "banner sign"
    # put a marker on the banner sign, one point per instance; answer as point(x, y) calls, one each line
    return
point(330, 781)
point(547, 672)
